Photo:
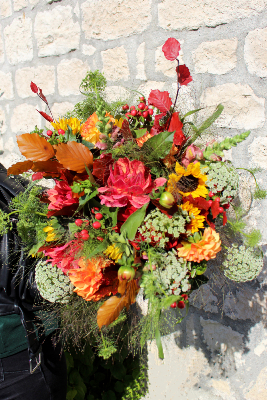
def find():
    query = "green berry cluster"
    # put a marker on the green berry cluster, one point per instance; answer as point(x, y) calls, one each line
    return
point(223, 179)
point(242, 263)
point(156, 225)
point(52, 284)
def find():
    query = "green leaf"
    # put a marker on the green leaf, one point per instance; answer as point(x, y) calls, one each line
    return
point(159, 344)
point(158, 146)
point(88, 144)
point(109, 395)
point(190, 113)
point(69, 135)
point(84, 199)
point(119, 386)
point(99, 249)
point(209, 121)
point(140, 132)
point(133, 222)
point(111, 212)
point(71, 394)
point(118, 370)
point(167, 301)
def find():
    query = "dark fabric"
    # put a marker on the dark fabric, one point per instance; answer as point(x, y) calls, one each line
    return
point(48, 382)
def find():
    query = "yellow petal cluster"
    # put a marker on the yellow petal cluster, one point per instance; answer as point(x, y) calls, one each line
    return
point(63, 123)
point(113, 252)
point(197, 221)
point(204, 249)
point(51, 236)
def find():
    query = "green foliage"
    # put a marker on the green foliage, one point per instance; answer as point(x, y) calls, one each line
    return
point(159, 145)
point(133, 222)
point(5, 224)
point(260, 194)
point(252, 238)
point(226, 144)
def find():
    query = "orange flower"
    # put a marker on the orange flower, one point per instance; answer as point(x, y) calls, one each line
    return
point(140, 141)
point(89, 130)
point(204, 249)
point(91, 282)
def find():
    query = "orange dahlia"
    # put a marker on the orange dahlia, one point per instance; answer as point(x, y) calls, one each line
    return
point(89, 130)
point(91, 281)
point(205, 248)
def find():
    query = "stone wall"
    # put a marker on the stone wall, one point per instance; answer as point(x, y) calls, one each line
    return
point(219, 350)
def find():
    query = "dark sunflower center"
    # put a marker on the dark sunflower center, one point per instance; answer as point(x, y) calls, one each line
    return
point(187, 184)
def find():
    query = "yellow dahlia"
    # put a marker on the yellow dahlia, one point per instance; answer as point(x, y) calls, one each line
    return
point(196, 219)
point(188, 181)
point(63, 123)
point(113, 252)
point(51, 236)
point(205, 248)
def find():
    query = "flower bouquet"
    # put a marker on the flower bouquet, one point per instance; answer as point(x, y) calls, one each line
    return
point(139, 202)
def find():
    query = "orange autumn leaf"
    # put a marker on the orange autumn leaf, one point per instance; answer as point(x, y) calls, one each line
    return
point(74, 156)
point(112, 307)
point(19, 168)
point(47, 166)
point(34, 147)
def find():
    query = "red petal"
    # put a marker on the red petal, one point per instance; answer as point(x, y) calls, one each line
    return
point(47, 117)
point(161, 100)
point(42, 96)
point(176, 126)
point(184, 76)
point(171, 49)
point(34, 87)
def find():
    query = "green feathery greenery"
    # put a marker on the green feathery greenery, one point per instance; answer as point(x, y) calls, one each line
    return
point(226, 144)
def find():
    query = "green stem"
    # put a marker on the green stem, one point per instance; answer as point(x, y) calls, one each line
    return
point(42, 214)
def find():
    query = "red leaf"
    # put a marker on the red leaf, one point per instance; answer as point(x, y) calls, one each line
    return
point(199, 202)
point(37, 176)
point(42, 96)
point(171, 49)
point(215, 209)
point(224, 218)
point(101, 167)
point(126, 131)
point(161, 100)
point(34, 87)
point(184, 76)
point(43, 114)
point(176, 127)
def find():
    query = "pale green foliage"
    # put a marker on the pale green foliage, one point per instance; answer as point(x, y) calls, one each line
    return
point(52, 284)
point(242, 264)
point(253, 238)
point(223, 178)
point(260, 194)
point(5, 224)
point(156, 225)
point(226, 144)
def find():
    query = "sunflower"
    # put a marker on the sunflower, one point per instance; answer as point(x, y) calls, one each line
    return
point(187, 181)
point(63, 123)
point(113, 252)
point(203, 248)
point(196, 219)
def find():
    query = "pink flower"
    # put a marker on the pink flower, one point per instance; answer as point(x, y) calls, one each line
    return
point(192, 153)
point(60, 196)
point(129, 182)
point(65, 257)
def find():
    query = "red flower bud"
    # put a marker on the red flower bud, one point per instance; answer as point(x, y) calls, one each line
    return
point(61, 132)
point(126, 273)
point(181, 304)
point(166, 200)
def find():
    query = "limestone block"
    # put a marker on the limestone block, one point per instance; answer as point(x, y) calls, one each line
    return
point(18, 40)
point(19, 4)
point(6, 86)
point(115, 93)
point(184, 14)
point(43, 76)
point(69, 76)
point(9, 144)
point(255, 52)
point(5, 8)
point(115, 64)
point(2, 121)
point(25, 118)
point(217, 57)
point(146, 88)
point(167, 67)
point(76, 10)
point(8, 159)
point(112, 19)
point(186, 99)
point(33, 3)
point(2, 53)
point(259, 390)
point(60, 109)
point(56, 32)
point(242, 108)
point(258, 152)
point(140, 56)
point(88, 50)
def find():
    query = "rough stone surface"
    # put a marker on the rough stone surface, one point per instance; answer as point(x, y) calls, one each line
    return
point(140, 57)
point(259, 390)
point(6, 86)
point(3, 126)
point(76, 10)
point(2, 53)
point(258, 152)
point(43, 76)
point(52, 36)
point(33, 3)
point(19, 4)
point(146, 88)
point(217, 57)
point(5, 8)
point(204, 298)
point(115, 64)
point(60, 109)
point(115, 93)
point(167, 67)
point(122, 18)
point(88, 49)
point(24, 118)
point(242, 108)
point(69, 75)
point(194, 14)
point(255, 52)
point(18, 40)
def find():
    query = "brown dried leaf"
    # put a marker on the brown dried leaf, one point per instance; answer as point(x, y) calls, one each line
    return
point(19, 167)
point(47, 166)
point(34, 147)
point(74, 156)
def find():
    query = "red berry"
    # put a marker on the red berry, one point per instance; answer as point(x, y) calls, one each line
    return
point(210, 203)
point(100, 238)
point(142, 99)
point(211, 194)
point(96, 225)
point(85, 237)
point(150, 111)
point(78, 222)
point(221, 209)
point(84, 232)
point(217, 199)
point(146, 108)
point(226, 206)
point(141, 106)
point(98, 216)
point(145, 114)
point(96, 208)
point(185, 297)
point(134, 113)
point(49, 133)
point(140, 113)
point(132, 108)
point(125, 107)
point(127, 115)
point(61, 132)
point(181, 304)
point(174, 305)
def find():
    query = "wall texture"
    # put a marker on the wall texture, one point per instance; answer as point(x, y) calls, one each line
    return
point(219, 351)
